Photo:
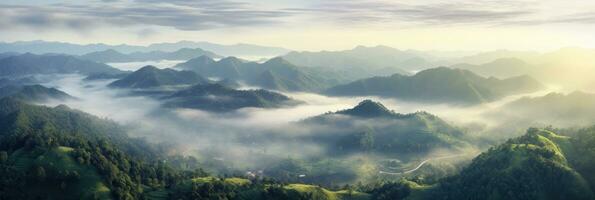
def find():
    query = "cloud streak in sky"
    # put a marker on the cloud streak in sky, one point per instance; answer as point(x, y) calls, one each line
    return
point(182, 15)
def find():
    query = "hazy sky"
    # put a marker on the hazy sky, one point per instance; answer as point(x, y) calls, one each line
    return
point(308, 24)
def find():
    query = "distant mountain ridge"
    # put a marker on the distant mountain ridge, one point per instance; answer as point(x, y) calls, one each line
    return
point(111, 55)
point(439, 85)
point(219, 98)
point(275, 74)
point(33, 93)
point(151, 76)
point(31, 64)
point(42, 47)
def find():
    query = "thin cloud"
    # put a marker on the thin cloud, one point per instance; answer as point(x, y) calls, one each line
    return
point(182, 15)
point(480, 12)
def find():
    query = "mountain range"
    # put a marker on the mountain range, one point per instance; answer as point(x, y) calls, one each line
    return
point(219, 98)
point(112, 56)
point(33, 93)
point(439, 85)
point(152, 77)
point(538, 165)
point(377, 57)
point(275, 74)
point(31, 64)
point(558, 109)
point(42, 47)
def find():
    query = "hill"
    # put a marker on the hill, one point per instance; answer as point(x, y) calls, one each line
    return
point(371, 127)
point(438, 85)
point(48, 151)
point(31, 64)
point(216, 97)
point(33, 93)
point(111, 55)
point(150, 77)
point(534, 166)
point(275, 74)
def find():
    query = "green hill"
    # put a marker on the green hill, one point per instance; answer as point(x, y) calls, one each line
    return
point(151, 77)
point(33, 93)
point(69, 154)
point(371, 127)
point(438, 85)
point(534, 166)
point(216, 97)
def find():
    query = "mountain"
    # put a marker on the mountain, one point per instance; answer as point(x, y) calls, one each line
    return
point(103, 76)
point(438, 85)
point(562, 110)
point(111, 56)
point(58, 152)
point(7, 54)
point(33, 93)
point(227, 50)
point(31, 64)
point(61, 153)
point(368, 108)
point(371, 127)
point(501, 67)
point(538, 165)
point(42, 47)
point(372, 59)
point(219, 98)
point(151, 76)
point(275, 74)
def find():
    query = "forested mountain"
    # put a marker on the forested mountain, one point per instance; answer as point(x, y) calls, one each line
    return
point(33, 93)
point(371, 127)
point(538, 165)
point(275, 74)
point(151, 76)
point(31, 64)
point(66, 154)
point(439, 85)
point(111, 55)
point(216, 97)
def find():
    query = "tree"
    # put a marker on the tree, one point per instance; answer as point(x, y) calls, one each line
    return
point(40, 173)
point(3, 156)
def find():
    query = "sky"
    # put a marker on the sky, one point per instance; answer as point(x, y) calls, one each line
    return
point(308, 24)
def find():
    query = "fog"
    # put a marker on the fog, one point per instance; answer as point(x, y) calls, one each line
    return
point(132, 66)
point(254, 138)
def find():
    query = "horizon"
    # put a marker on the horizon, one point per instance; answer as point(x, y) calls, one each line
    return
point(308, 25)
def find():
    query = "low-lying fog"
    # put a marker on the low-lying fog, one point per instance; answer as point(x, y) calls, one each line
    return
point(231, 136)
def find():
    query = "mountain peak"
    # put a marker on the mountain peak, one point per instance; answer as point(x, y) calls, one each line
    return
point(277, 61)
point(368, 108)
point(148, 68)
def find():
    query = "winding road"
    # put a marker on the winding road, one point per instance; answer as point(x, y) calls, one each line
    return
point(420, 165)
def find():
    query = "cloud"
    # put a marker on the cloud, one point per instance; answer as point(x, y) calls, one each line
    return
point(437, 13)
point(182, 15)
